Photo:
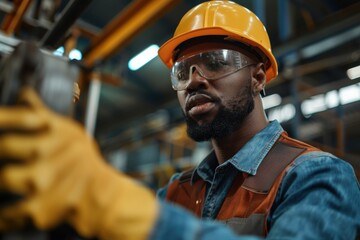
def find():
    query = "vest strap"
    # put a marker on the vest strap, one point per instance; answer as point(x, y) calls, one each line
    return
point(279, 156)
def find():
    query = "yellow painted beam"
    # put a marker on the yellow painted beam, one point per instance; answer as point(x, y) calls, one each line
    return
point(13, 19)
point(125, 25)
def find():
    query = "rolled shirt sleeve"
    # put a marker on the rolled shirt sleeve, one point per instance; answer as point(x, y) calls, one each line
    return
point(319, 198)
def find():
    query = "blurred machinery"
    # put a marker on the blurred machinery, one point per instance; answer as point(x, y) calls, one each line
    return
point(54, 78)
point(24, 64)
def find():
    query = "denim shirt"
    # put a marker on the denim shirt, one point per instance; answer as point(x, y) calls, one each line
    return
point(318, 198)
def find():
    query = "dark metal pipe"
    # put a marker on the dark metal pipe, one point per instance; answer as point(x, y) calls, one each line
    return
point(69, 15)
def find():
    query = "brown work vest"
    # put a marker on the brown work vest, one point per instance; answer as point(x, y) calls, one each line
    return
point(249, 199)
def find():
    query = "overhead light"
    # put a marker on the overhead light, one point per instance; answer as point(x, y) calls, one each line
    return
point(59, 52)
point(143, 57)
point(318, 103)
point(313, 105)
point(349, 94)
point(331, 99)
point(353, 73)
point(283, 113)
point(271, 101)
point(75, 54)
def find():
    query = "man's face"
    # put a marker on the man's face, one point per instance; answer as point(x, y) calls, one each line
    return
point(215, 108)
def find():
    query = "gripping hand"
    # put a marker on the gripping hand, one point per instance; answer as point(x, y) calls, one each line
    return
point(58, 169)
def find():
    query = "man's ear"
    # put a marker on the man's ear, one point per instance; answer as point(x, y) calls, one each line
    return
point(258, 78)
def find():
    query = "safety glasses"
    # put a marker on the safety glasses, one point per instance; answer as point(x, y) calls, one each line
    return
point(211, 65)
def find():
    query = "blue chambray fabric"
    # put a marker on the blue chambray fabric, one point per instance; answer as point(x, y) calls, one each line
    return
point(319, 197)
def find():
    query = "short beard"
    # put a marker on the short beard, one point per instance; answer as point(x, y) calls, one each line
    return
point(226, 121)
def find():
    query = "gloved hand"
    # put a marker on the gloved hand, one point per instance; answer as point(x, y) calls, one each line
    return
point(64, 178)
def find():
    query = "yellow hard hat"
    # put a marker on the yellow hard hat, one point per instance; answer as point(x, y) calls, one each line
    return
point(221, 18)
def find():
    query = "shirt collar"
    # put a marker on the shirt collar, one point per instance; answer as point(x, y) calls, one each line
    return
point(248, 158)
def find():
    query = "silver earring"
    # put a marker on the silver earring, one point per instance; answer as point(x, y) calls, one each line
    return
point(263, 93)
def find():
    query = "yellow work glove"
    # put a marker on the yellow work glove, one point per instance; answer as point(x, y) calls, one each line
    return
point(63, 177)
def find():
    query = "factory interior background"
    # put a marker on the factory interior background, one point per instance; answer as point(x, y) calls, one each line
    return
point(132, 111)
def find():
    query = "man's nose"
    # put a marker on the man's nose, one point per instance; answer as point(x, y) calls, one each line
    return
point(196, 78)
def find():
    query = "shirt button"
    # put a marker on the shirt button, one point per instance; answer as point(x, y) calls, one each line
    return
point(198, 201)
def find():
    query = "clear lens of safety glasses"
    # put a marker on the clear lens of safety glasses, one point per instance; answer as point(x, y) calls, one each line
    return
point(210, 65)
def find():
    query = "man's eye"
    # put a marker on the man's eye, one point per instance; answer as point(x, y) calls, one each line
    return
point(216, 65)
point(181, 76)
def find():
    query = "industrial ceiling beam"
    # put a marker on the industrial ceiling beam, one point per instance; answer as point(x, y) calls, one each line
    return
point(13, 19)
point(67, 18)
point(348, 20)
point(126, 24)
